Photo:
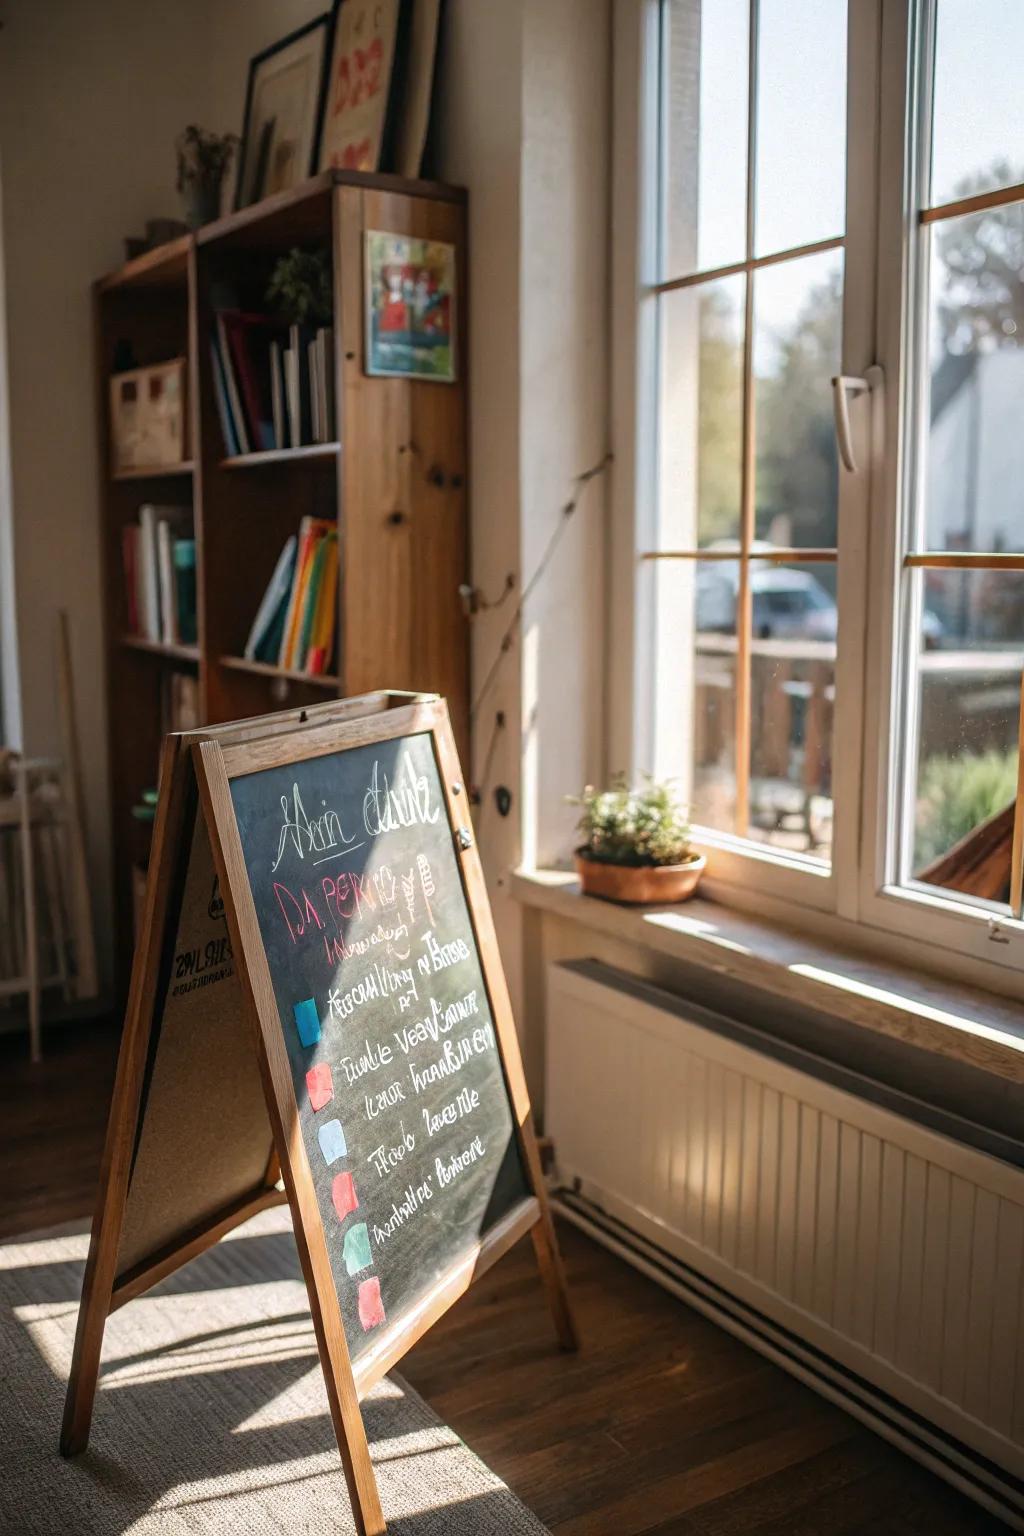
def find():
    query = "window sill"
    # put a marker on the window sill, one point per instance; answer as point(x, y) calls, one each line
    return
point(959, 1022)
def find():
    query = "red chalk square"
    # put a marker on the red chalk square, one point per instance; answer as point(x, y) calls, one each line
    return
point(343, 1193)
point(371, 1308)
point(320, 1085)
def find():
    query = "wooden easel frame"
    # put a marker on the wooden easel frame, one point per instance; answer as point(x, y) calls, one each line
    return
point(218, 755)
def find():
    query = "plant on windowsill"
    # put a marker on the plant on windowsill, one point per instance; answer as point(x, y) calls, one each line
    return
point(636, 844)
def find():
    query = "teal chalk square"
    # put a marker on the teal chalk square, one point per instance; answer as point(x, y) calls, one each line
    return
point(332, 1141)
point(356, 1252)
point(307, 1021)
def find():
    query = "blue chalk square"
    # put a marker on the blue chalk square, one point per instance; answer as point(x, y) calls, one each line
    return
point(307, 1021)
point(332, 1141)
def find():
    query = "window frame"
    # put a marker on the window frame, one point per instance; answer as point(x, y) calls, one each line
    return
point(992, 937)
point(855, 893)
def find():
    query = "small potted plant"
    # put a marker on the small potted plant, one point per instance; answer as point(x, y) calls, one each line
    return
point(636, 844)
point(301, 287)
point(203, 160)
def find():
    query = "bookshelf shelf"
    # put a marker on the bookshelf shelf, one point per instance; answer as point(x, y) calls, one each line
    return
point(265, 669)
point(281, 455)
point(155, 471)
point(399, 518)
point(189, 654)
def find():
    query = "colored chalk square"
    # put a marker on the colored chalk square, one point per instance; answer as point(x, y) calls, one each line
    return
point(320, 1084)
point(356, 1251)
point(371, 1308)
point(307, 1021)
point(343, 1193)
point(332, 1141)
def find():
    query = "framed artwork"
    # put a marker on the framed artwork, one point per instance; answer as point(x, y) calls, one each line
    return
point(147, 417)
point(282, 110)
point(410, 307)
point(364, 45)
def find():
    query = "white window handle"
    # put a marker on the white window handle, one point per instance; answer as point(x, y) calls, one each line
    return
point(843, 386)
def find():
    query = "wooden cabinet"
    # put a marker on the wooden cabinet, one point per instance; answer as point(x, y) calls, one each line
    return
point(394, 479)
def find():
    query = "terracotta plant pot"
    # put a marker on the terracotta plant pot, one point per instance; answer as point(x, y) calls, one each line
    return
point(644, 885)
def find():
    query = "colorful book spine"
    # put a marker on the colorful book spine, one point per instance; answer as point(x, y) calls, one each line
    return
point(275, 599)
point(321, 645)
point(302, 559)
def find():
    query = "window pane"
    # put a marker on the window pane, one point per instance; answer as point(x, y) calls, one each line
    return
point(792, 697)
point(801, 123)
point(965, 709)
point(701, 416)
point(705, 128)
point(797, 330)
point(713, 786)
point(978, 123)
point(974, 498)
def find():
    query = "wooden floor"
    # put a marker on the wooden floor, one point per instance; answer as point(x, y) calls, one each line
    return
point(662, 1424)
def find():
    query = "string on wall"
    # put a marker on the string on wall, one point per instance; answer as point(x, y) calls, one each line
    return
point(475, 603)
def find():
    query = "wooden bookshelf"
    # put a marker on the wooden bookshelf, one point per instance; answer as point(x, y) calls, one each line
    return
point(188, 654)
point(328, 680)
point(280, 455)
point(397, 492)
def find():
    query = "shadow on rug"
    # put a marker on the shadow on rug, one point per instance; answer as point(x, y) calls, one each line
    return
point(212, 1414)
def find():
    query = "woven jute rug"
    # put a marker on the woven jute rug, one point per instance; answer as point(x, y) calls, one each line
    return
point(212, 1414)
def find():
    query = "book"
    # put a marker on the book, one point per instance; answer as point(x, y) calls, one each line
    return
point(313, 364)
point(291, 387)
point(277, 397)
point(149, 580)
point(227, 426)
point(165, 579)
point(321, 643)
point(161, 582)
point(249, 337)
point(313, 585)
point(274, 598)
point(327, 378)
point(311, 531)
point(298, 339)
point(183, 556)
point(231, 386)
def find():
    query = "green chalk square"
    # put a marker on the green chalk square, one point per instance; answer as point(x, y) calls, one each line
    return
point(356, 1251)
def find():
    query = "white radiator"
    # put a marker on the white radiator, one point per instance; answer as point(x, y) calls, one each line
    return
point(889, 1248)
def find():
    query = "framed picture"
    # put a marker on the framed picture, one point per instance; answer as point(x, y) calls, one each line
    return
point(357, 116)
point(410, 307)
point(282, 110)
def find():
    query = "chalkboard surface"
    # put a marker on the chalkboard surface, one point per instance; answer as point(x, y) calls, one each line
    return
point(401, 1094)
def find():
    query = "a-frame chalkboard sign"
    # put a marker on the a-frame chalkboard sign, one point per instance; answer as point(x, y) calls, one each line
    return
point(317, 1000)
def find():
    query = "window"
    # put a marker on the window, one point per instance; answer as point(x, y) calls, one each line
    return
point(827, 648)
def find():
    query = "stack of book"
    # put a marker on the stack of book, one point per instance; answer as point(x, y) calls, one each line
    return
point(159, 553)
point(296, 623)
point(274, 384)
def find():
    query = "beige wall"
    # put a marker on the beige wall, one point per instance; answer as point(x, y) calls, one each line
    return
point(525, 127)
point(92, 94)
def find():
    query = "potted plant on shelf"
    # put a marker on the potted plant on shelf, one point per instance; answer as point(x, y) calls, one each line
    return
point(203, 160)
point(636, 844)
point(301, 287)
